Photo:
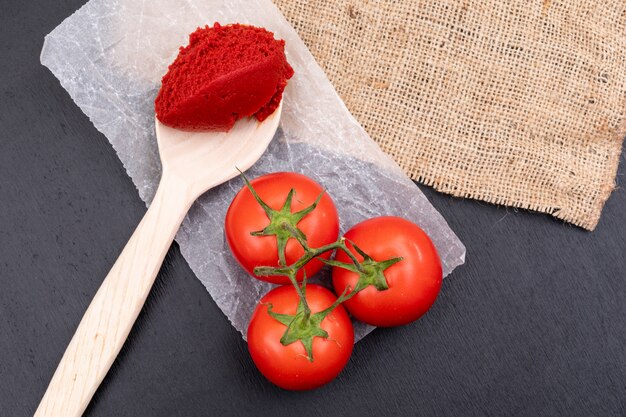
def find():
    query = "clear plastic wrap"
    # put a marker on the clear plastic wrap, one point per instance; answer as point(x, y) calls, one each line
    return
point(110, 56)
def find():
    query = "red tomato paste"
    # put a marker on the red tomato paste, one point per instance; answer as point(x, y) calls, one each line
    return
point(224, 74)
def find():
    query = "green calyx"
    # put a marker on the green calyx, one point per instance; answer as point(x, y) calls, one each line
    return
point(303, 326)
point(370, 272)
point(283, 223)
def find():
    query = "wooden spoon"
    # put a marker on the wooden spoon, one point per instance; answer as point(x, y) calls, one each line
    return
point(193, 162)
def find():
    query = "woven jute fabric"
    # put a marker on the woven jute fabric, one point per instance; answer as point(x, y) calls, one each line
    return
point(520, 103)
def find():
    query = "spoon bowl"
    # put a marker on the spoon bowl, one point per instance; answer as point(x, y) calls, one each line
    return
point(207, 159)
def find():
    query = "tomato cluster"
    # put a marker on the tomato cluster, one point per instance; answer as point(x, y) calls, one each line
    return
point(282, 228)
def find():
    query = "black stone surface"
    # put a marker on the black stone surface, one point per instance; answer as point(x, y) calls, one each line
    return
point(533, 325)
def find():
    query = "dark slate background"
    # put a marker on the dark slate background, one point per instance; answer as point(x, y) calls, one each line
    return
point(533, 324)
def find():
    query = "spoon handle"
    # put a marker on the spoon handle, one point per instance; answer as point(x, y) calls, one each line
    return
point(115, 307)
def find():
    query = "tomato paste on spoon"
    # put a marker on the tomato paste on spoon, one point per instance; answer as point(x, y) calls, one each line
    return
point(224, 74)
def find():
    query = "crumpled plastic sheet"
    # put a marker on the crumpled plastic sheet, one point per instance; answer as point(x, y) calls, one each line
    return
point(110, 56)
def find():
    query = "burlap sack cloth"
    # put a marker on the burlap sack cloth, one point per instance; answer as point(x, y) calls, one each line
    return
point(520, 103)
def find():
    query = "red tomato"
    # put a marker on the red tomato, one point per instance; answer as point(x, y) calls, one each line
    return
point(288, 366)
point(413, 282)
point(245, 215)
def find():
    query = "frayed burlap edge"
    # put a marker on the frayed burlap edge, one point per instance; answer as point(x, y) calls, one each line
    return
point(588, 222)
